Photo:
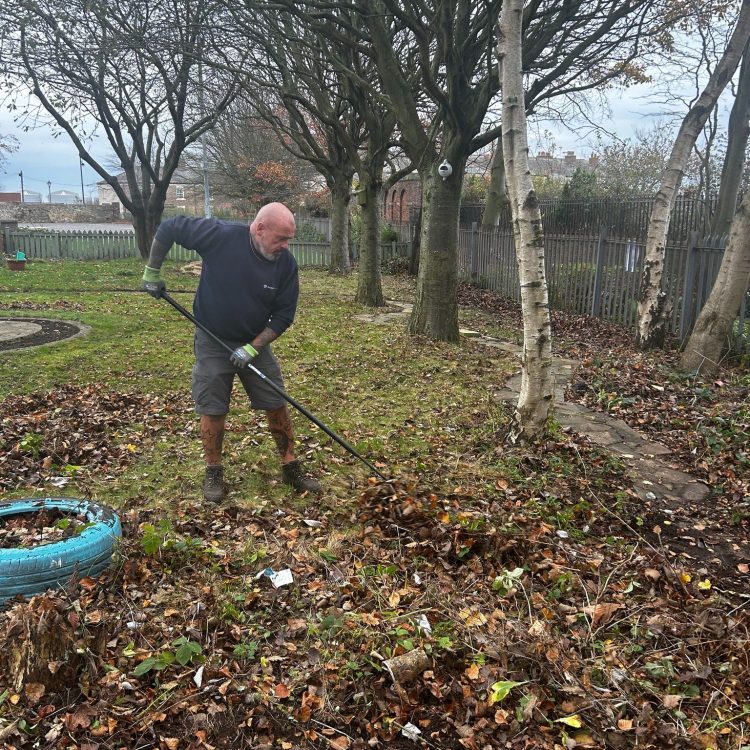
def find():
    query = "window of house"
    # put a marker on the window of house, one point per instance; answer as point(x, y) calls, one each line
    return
point(179, 193)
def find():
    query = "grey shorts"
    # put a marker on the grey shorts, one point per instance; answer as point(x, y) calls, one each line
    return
point(213, 377)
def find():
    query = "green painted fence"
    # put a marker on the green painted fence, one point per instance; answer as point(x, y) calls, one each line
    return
point(98, 245)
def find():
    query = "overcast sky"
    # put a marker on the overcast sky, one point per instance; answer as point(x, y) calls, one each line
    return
point(43, 158)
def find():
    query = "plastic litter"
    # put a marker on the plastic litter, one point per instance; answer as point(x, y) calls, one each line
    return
point(278, 578)
point(410, 731)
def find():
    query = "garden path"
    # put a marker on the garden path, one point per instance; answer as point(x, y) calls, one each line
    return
point(674, 515)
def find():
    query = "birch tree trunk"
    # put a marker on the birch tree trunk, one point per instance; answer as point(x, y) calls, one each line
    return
point(340, 195)
point(537, 387)
point(651, 306)
point(713, 327)
point(497, 193)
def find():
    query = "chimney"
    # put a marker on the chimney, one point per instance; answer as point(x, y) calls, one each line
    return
point(570, 157)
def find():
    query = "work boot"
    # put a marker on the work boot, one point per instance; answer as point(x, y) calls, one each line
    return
point(294, 475)
point(213, 484)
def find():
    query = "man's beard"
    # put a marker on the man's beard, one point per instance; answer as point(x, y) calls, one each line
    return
point(273, 257)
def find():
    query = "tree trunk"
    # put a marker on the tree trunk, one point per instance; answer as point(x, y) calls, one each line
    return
point(734, 160)
point(435, 312)
point(714, 325)
point(537, 387)
point(340, 194)
point(369, 287)
point(415, 244)
point(497, 192)
point(144, 227)
point(652, 323)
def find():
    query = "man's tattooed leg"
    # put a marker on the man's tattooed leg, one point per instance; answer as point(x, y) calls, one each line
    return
point(283, 434)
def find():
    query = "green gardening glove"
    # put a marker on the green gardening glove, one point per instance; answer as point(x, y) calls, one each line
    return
point(242, 357)
point(153, 283)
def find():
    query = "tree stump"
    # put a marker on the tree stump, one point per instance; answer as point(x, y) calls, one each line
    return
point(41, 644)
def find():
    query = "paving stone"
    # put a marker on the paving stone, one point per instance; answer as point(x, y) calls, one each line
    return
point(16, 329)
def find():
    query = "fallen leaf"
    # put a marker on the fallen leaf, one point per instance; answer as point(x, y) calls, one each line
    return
point(281, 691)
point(601, 613)
point(583, 739)
point(671, 701)
point(34, 692)
point(571, 721)
point(499, 690)
point(472, 672)
point(625, 724)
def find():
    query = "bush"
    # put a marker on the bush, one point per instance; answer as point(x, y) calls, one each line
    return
point(308, 233)
point(396, 266)
point(388, 234)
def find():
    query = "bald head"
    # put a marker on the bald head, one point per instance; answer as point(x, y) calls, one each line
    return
point(272, 229)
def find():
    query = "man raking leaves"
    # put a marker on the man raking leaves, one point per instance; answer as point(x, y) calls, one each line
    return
point(247, 297)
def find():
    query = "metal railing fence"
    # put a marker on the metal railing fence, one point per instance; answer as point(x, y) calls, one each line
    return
point(600, 275)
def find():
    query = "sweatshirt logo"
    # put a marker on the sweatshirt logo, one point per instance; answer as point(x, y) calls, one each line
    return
point(266, 286)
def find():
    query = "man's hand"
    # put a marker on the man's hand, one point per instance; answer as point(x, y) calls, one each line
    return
point(153, 283)
point(242, 357)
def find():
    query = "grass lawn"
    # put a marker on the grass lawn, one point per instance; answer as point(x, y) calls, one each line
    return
point(545, 619)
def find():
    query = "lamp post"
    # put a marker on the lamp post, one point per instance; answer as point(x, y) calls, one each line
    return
point(83, 195)
point(49, 190)
point(20, 174)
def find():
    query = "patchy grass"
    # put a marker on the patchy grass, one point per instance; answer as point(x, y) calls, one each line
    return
point(551, 622)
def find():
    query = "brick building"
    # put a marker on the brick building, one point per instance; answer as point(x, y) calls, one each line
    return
point(401, 202)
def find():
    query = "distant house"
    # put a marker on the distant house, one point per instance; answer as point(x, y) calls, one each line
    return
point(560, 168)
point(184, 194)
point(65, 197)
point(31, 196)
point(401, 202)
point(10, 197)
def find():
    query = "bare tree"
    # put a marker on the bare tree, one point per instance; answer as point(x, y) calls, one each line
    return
point(8, 144)
point(131, 68)
point(251, 165)
point(497, 193)
point(292, 85)
point(711, 332)
point(440, 79)
point(651, 306)
point(537, 389)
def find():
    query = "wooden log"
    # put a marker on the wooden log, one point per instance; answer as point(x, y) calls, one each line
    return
point(407, 667)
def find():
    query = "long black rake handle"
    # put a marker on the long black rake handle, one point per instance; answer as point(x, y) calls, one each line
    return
point(177, 306)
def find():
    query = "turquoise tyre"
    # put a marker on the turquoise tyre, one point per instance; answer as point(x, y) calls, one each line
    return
point(31, 570)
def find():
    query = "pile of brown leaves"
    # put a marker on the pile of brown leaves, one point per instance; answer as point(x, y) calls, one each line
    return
point(48, 437)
